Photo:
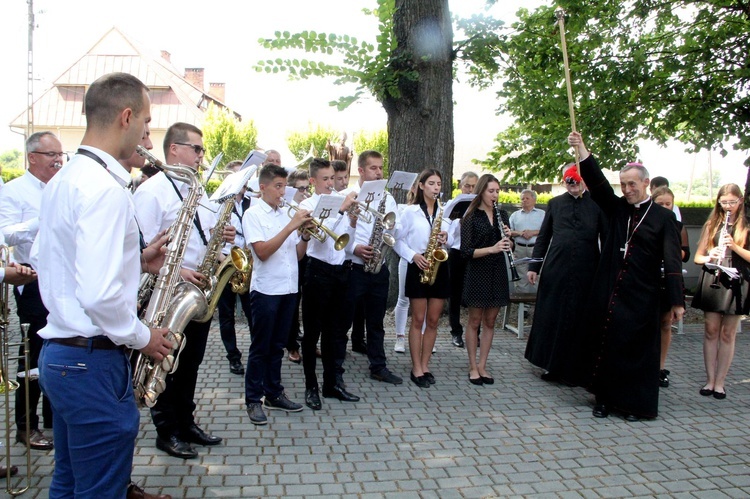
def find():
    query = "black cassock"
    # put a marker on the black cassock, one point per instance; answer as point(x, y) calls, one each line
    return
point(625, 298)
point(569, 243)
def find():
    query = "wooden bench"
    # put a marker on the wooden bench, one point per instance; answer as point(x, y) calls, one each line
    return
point(522, 300)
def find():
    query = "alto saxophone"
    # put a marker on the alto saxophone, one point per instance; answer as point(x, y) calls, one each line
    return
point(174, 302)
point(240, 280)
point(434, 254)
point(219, 272)
point(380, 240)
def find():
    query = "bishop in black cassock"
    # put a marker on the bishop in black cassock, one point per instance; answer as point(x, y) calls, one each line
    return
point(624, 308)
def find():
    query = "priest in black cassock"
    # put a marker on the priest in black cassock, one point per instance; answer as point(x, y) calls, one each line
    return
point(568, 241)
point(625, 300)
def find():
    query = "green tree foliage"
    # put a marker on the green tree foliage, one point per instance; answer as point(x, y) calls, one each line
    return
point(376, 141)
point(223, 132)
point(640, 69)
point(317, 137)
point(11, 159)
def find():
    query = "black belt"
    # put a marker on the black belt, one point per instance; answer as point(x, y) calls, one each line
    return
point(525, 245)
point(316, 262)
point(95, 343)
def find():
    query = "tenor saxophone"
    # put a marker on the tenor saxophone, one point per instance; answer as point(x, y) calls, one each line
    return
point(434, 253)
point(219, 272)
point(174, 302)
point(380, 240)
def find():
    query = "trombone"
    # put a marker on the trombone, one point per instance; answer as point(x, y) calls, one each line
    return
point(321, 232)
point(7, 385)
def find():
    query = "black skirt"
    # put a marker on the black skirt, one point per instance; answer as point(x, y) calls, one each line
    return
point(415, 289)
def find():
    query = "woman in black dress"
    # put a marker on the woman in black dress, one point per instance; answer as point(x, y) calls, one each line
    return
point(724, 301)
point(418, 222)
point(486, 281)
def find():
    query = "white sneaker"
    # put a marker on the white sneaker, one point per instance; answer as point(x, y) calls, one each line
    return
point(400, 346)
point(434, 348)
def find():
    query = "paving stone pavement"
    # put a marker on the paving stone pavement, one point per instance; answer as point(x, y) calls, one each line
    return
point(521, 437)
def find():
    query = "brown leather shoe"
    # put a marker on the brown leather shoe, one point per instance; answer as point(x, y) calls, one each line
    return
point(4, 471)
point(137, 492)
point(37, 440)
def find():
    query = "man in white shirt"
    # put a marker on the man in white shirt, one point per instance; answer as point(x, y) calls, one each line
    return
point(366, 286)
point(524, 227)
point(158, 203)
point(276, 247)
point(325, 294)
point(19, 221)
point(88, 258)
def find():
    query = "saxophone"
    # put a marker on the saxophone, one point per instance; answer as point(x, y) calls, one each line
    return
point(174, 302)
point(218, 272)
point(434, 254)
point(240, 280)
point(380, 241)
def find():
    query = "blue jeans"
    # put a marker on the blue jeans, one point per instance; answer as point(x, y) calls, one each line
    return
point(95, 420)
point(272, 318)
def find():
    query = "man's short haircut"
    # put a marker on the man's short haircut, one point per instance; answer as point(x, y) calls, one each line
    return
point(466, 176)
point(339, 165)
point(318, 163)
point(365, 155)
point(179, 133)
point(529, 191)
point(109, 95)
point(234, 166)
point(32, 143)
point(659, 182)
point(297, 175)
point(642, 171)
point(270, 172)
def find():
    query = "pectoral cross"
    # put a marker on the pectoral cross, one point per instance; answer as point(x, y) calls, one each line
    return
point(624, 250)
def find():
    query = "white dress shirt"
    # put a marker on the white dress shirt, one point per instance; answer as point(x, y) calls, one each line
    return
point(157, 205)
point(20, 200)
point(87, 253)
point(520, 221)
point(279, 273)
point(414, 232)
point(325, 252)
point(364, 230)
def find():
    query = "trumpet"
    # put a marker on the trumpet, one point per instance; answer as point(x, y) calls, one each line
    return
point(367, 214)
point(8, 385)
point(321, 232)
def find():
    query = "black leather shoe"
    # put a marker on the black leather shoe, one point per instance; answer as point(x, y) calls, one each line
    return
point(664, 378)
point(720, 395)
point(4, 471)
point(706, 392)
point(359, 348)
point(600, 411)
point(457, 341)
point(488, 380)
point(386, 377)
point(548, 376)
point(339, 392)
point(37, 439)
point(420, 381)
point(176, 447)
point(195, 435)
point(631, 418)
point(312, 399)
point(236, 367)
point(476, 381)
point(429, 377)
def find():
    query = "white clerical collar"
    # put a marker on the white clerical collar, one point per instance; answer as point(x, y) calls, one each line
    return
point(638, 205)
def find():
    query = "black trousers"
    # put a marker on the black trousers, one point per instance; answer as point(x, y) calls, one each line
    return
point(372, 290)
point(457, 265)
point(174, 408)
point(226, 306)
point(31, 311)
point(294, 331)
point(325, 303)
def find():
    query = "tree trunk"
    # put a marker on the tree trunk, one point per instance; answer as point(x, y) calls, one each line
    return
point(420, 120)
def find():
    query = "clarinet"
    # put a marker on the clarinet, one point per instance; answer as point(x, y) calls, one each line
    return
point(508, 254)
point(720, 261)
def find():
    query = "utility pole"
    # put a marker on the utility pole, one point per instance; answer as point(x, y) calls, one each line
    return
point(30, 74)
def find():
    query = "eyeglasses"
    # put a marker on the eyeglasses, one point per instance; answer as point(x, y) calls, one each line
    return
point(729, 203)
point(198, 149)
point(571, 181)
point(50, 154)
point(304, 188)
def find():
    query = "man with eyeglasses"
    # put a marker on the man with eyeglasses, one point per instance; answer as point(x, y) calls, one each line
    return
point(625, 309)
point(158, 202)
point(524, 227)
point(20, 200)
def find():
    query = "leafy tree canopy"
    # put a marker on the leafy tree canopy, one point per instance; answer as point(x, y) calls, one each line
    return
point(223, 132)
point(653, 69)
point(375, 141)
point(313, 140)
point(12, 158)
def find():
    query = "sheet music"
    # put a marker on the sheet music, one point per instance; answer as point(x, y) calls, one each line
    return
point(233, 183)
point(402, 180)
point(327, 207)
point(457, 201)
point(731, 272)
point(527, 260)
point(253, 158)
point(371, 192)
point(289, 193)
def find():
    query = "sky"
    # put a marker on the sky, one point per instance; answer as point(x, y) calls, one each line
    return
point(222, 38)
